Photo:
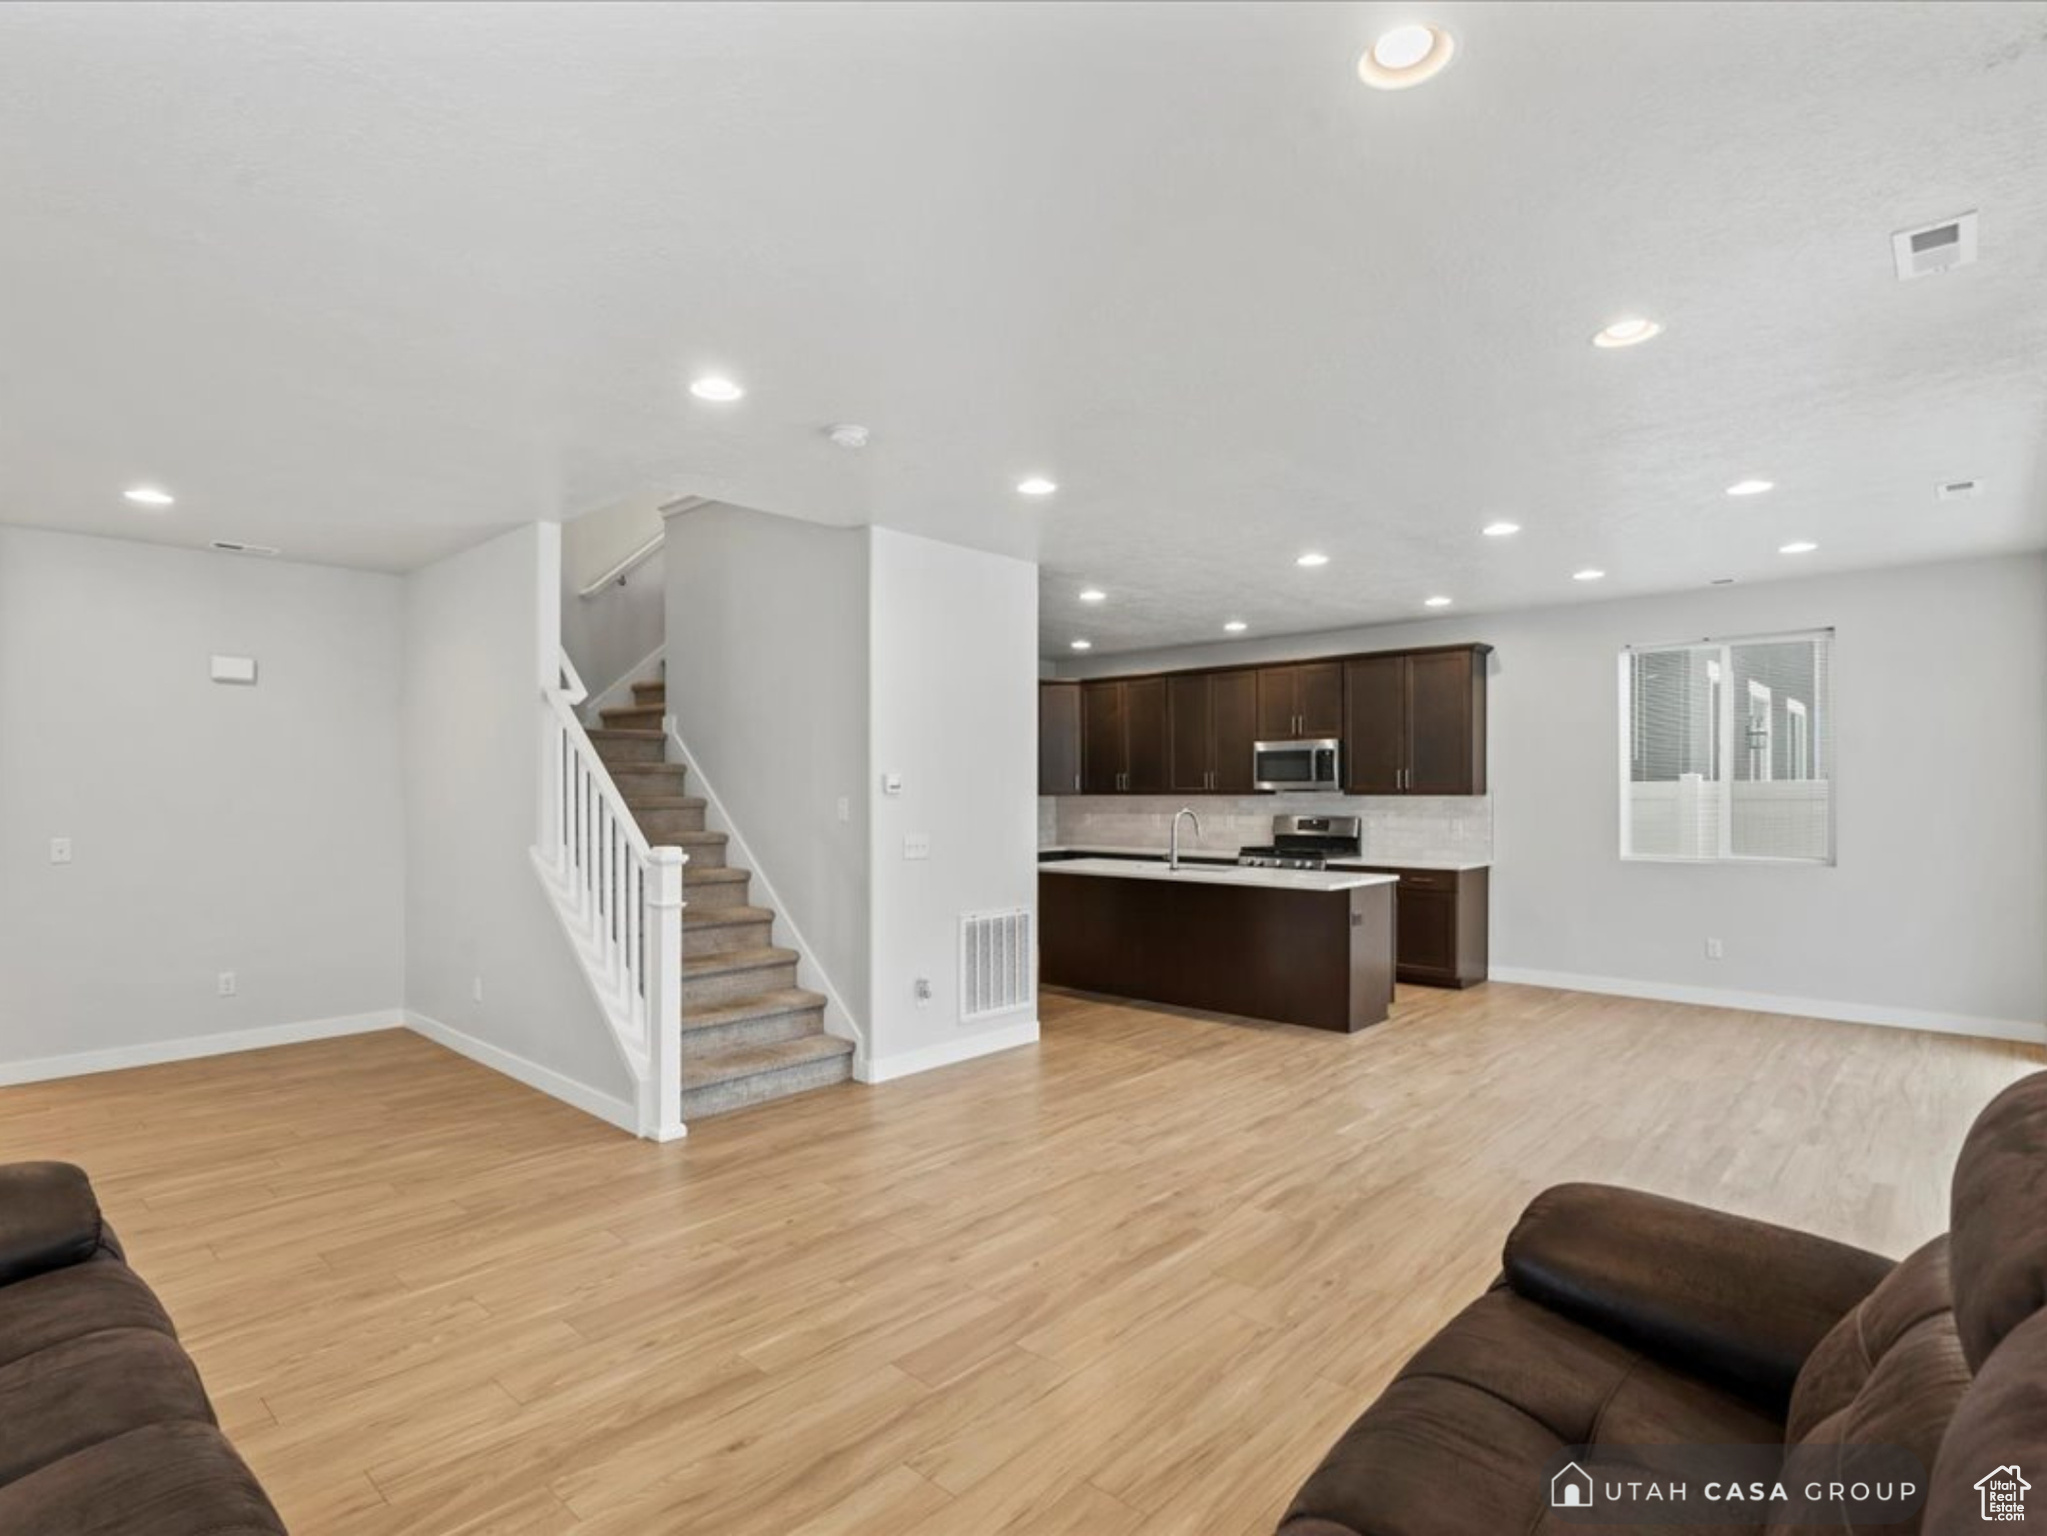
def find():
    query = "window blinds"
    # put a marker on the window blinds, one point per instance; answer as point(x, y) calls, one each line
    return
point(1727, 749)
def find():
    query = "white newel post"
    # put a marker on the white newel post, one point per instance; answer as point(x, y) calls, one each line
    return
point(661, 933)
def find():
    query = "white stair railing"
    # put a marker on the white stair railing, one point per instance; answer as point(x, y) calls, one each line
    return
point(621, 900)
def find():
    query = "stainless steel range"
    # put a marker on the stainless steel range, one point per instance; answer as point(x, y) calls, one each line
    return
point(1306, 842)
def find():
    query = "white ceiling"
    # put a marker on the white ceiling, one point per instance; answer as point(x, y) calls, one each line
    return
point(368, 282)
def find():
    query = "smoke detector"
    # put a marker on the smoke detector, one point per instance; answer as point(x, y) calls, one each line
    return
point(1935, 248)
point(1959, 490)
point(847, 435)
point(237, 547)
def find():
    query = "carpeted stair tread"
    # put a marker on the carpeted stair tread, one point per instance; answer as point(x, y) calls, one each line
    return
point(760, 1005)
point(726, 961)
point(728, 917)
point(752, 1060)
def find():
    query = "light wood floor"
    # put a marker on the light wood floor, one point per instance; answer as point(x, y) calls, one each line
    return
point(1135, 1279)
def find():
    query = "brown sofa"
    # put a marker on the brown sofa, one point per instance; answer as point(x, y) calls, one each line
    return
point(105, 1429)
point(1626, 1320)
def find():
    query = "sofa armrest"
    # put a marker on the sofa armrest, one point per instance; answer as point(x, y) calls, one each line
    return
point(1740, 1303)
point(48, 1219)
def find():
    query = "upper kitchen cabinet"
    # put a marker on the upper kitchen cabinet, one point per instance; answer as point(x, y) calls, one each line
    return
point(1416, 722)
point(1124, 746)
point(1059, 738)
point(1212, 720)
point(1301, 702)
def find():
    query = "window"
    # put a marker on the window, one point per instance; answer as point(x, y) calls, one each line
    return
point(1727, 750)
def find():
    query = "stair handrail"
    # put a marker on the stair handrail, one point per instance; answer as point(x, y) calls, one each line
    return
point(646, 551)
point(621, 899)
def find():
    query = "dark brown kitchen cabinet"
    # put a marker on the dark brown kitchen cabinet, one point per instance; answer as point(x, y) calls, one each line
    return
point(1415, 722)
point(1123, 736)
point(1211, 717)
point(1442, 917)
point(1059, 738)
point(1302, 702)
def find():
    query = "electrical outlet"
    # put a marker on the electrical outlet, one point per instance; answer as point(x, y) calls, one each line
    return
point(1713, 950)
point(227, 983)
point(845, 808)
point(923, 991)
point(60, 850)
point(916, 845)
point(476, 989)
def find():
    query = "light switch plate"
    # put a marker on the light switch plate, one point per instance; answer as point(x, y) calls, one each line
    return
point(60, 850)
point(916, 845)
point(891, 783)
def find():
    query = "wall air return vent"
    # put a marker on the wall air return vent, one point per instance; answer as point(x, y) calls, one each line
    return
point(998, 967)
point(1935, 248)
point(237, 547)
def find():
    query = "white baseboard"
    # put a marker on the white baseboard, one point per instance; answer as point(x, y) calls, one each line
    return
point(2030, 1032)
point(948, 1052)
point(613, 1111)
point(192, 1047)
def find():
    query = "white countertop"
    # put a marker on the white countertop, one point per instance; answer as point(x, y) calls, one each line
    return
point(1220, 874)
point(1204, 853)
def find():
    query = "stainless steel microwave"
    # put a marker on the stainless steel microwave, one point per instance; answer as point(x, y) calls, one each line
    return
point(1296, 765)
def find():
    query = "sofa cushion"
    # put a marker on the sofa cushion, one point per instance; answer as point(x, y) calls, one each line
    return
point(92, 1388)
point(69, 1303)
point(1890, 1374)
point(1461, 1442)
point(2001, 1424)
point(176, 1479)
point(48, 1219)
point(1998, 1218)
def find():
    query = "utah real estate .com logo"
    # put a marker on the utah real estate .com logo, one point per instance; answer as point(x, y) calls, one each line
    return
point(2004, 1495)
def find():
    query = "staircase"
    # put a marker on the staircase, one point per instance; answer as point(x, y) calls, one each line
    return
point(749, 1033)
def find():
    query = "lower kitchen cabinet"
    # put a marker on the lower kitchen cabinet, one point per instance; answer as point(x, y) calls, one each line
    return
point(1443, 917)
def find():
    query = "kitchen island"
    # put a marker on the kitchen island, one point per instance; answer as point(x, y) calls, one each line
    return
point(1313, 947)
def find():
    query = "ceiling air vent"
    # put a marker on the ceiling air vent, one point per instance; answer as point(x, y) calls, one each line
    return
point(1935, 248)
point(237, 547)
point(1959, 490)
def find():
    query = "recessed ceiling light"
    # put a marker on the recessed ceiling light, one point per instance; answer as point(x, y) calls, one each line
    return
point(1500, 530)
point(1588, 574)
point(149, 496)
point(1037, 485)
point(1435, 602)
point(1406, 55)
point(1311, 559)
point(1797, 547)
point(1093, 595)
point(1235, 627)
point(1631, 332)
point(1751, 487)
point(712, 387)
point(1083, 645)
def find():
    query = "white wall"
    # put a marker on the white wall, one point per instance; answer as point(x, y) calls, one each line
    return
point(1936, 910)
point(611, 633)
point(213, 828)
point(953, 638)
point(481, 641)
point(767, 680)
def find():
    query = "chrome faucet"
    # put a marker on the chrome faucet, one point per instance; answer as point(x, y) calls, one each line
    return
point(1173, 858)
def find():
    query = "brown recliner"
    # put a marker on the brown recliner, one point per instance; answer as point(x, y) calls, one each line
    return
point(105, 1429)
point(1624, 1319)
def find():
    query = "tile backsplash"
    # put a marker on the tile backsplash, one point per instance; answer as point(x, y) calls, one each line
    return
point(1446, 827)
